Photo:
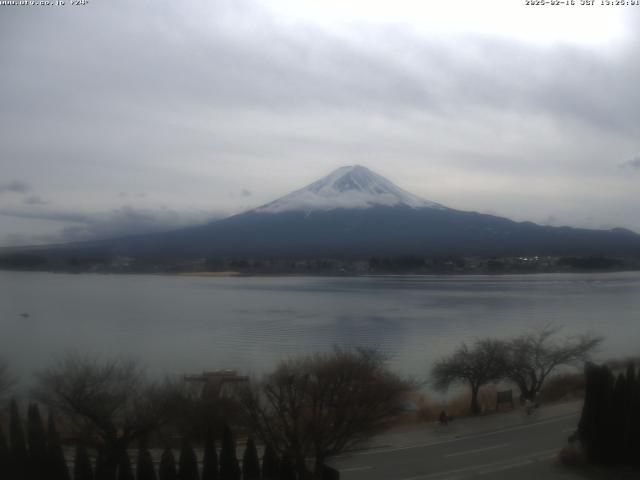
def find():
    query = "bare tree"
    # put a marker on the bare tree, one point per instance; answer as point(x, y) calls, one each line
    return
point(476, 366)
point(322, 405)
point(109, 399)
point(532, 357)
point(7, 380)
point(200, 410)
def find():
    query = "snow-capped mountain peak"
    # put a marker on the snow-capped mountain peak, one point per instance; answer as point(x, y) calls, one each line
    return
point(348, 187)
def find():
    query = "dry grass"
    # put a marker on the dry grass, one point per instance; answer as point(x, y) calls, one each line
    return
point(459, 405)
point(570, 386)
point(565, 387)
point(570, 456)
point(427, 409)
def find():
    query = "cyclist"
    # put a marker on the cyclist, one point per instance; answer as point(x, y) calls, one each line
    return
point(529, 406)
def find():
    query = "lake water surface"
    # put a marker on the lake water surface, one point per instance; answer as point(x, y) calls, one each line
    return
point(180, 324)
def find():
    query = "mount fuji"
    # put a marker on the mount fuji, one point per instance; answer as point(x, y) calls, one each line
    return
point(355, 213)
point(349, 187)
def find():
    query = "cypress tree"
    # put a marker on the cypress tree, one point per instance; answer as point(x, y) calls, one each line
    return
point(595, 423)
point(618, 421)
point(102, 470)
point(4, 455)
point(633, 386)
point(587, 425)
point(631, 415)
point(210, 459)
point(18, 450)
point(144, 469)
point(250, 462)
point(631, 374)
point(57, 464)
point(287, 471)
point(607, 441)
point(125, 472)
point(37, 443)
point(270, 469)
point(636, 423)
point(82, 465)
point(188, 463)
point(229, 468)
point(167, 470)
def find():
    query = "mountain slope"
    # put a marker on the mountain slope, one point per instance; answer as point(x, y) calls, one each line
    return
point(355, 213)
point(379, 230)
point(353, 186)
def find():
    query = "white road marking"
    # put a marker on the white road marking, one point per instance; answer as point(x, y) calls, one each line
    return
point(508, 466)
point(476, 450)
point(504, 464)
point(376, 451)
point(355, 469)
point(548, 457)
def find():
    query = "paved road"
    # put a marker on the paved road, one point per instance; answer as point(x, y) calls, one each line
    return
point(499, 446)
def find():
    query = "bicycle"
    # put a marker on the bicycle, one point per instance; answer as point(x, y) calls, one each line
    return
point(531, 410)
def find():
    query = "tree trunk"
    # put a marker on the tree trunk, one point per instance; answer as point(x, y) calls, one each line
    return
point(301, 468)
point(475, 405)
point(319, 465)
point(526, 394)
point(114, 449)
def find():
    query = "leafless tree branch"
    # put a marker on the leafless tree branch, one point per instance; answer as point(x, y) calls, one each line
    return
point(324, 404)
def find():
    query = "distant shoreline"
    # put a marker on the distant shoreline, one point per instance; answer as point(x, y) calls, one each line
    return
point(209, 274)
point(400, 265)
point(237, 274)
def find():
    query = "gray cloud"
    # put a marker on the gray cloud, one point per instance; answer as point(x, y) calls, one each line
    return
point(16, 186)
point(245, 193)
point(34, 200)
point(633, 163)
point(126, 220)
point(123, 195)
point(232, 98)
point(265, 64)
point(52, 215)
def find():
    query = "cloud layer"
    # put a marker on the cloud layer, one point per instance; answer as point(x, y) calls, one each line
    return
point(222, 106)
point(15, 186)
point(633, 163)
point(81, 226)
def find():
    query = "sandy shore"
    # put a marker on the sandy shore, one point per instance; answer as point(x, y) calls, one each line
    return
point(210, 274)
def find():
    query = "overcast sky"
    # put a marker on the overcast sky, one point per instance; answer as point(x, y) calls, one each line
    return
point(124, 116)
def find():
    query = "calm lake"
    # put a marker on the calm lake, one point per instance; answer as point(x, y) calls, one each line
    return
point(181, 324)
